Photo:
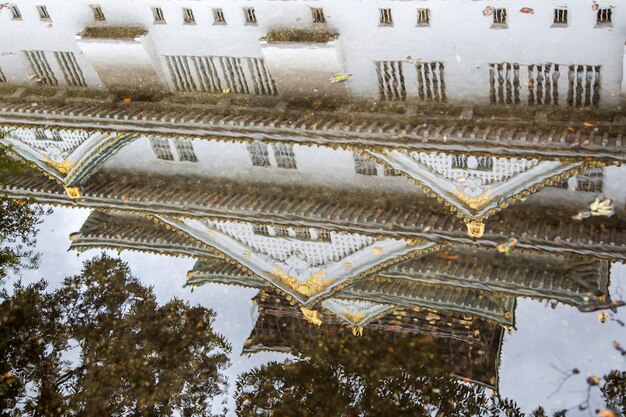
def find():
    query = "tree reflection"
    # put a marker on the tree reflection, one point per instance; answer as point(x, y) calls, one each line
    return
point(101, 345)
point(18, 226)
point(373, 376)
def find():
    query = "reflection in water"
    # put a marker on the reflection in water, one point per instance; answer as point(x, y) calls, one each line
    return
point(130, 355)
point(389, 205)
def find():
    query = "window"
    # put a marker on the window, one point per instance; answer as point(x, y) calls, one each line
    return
point(423, 17)
point(591, 180)
point(391, 85)
point(584, 85)
point(157, 12)
point(385, 17)
point(98, 14)
point(303, 234)
point(184, 147)
point(161, 148)
point(605, 17)
point(259, 154)
point(284, 155)
point(43, 13)
point(249, 15)
point(543, 84)
point(71, 70)
point(38, 62)
point(260, 230)
point(430, 81)
point(364, 166)
point(560, 16)
point(188, 18)
point(218, 16)
point(499, 17)
point(323, 235)
point(15, 12)
point(504, 83)
point(281, 231)
point(40, 134)
point(318, 15)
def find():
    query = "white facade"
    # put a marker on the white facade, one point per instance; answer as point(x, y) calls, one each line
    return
point(459, 44)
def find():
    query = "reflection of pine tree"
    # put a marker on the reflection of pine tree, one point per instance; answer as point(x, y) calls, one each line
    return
point(135, 357)
point(375, 376)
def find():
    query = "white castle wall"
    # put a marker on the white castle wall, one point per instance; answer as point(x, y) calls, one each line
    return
point(459, 36)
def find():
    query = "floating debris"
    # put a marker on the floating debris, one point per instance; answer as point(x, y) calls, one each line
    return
point(127, 100)
point(597, 208)
point(488, 10)
point(619, 348)
point(507, 247)
point(339, 78)
point(413, 60)
point(527, 10)
point(602, 316)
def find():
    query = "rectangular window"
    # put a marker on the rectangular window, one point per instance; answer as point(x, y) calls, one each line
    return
point(323, 235)
point(385, 17)
point(543, 84)
point(188, 17)
point(430, 81)
point(423, 17)
point(605, 16)
point(161, 148)
point(318, 15)
point(15, 12)
point(38, 62)
point(591, 180)
point(71, 70)
point(391, 85)
point(249, 15)
point(303, 234)
point(218, 16)
point(504, 83)
point(40, 134)
point(281, 231)
point(583, 85)
point(259, 154)
point(98, 14)
point(363, 165)
point(284, 155)
point(560, 16)
point(159, 17)
point(43, 13)
point(499, 17)
point(184, 147)
point(260, 230)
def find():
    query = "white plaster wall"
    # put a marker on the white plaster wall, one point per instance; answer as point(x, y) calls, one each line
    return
point(459, 35)
point(316, 166)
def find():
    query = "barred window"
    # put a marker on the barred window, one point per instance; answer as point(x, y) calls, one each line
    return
point(161, 148)
point(249, 15)
point(184, 147)
point(499, 17)
point(43, 13)
point(15, 12)
point(304, 234)
point(391, 83)
point(281, 231)
point(260, 230)
point(385, 17)
point(605, 16)
point(364, 166)
point(318, 15)
point(423, 17)
point(284, 155)
point(323, 235)
point(591, 180)
point(218, 16)
point(40, 134)
point(98, 14)
point(560, 16)
point(259, 154)
point(159, 17)
point(188, 17)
